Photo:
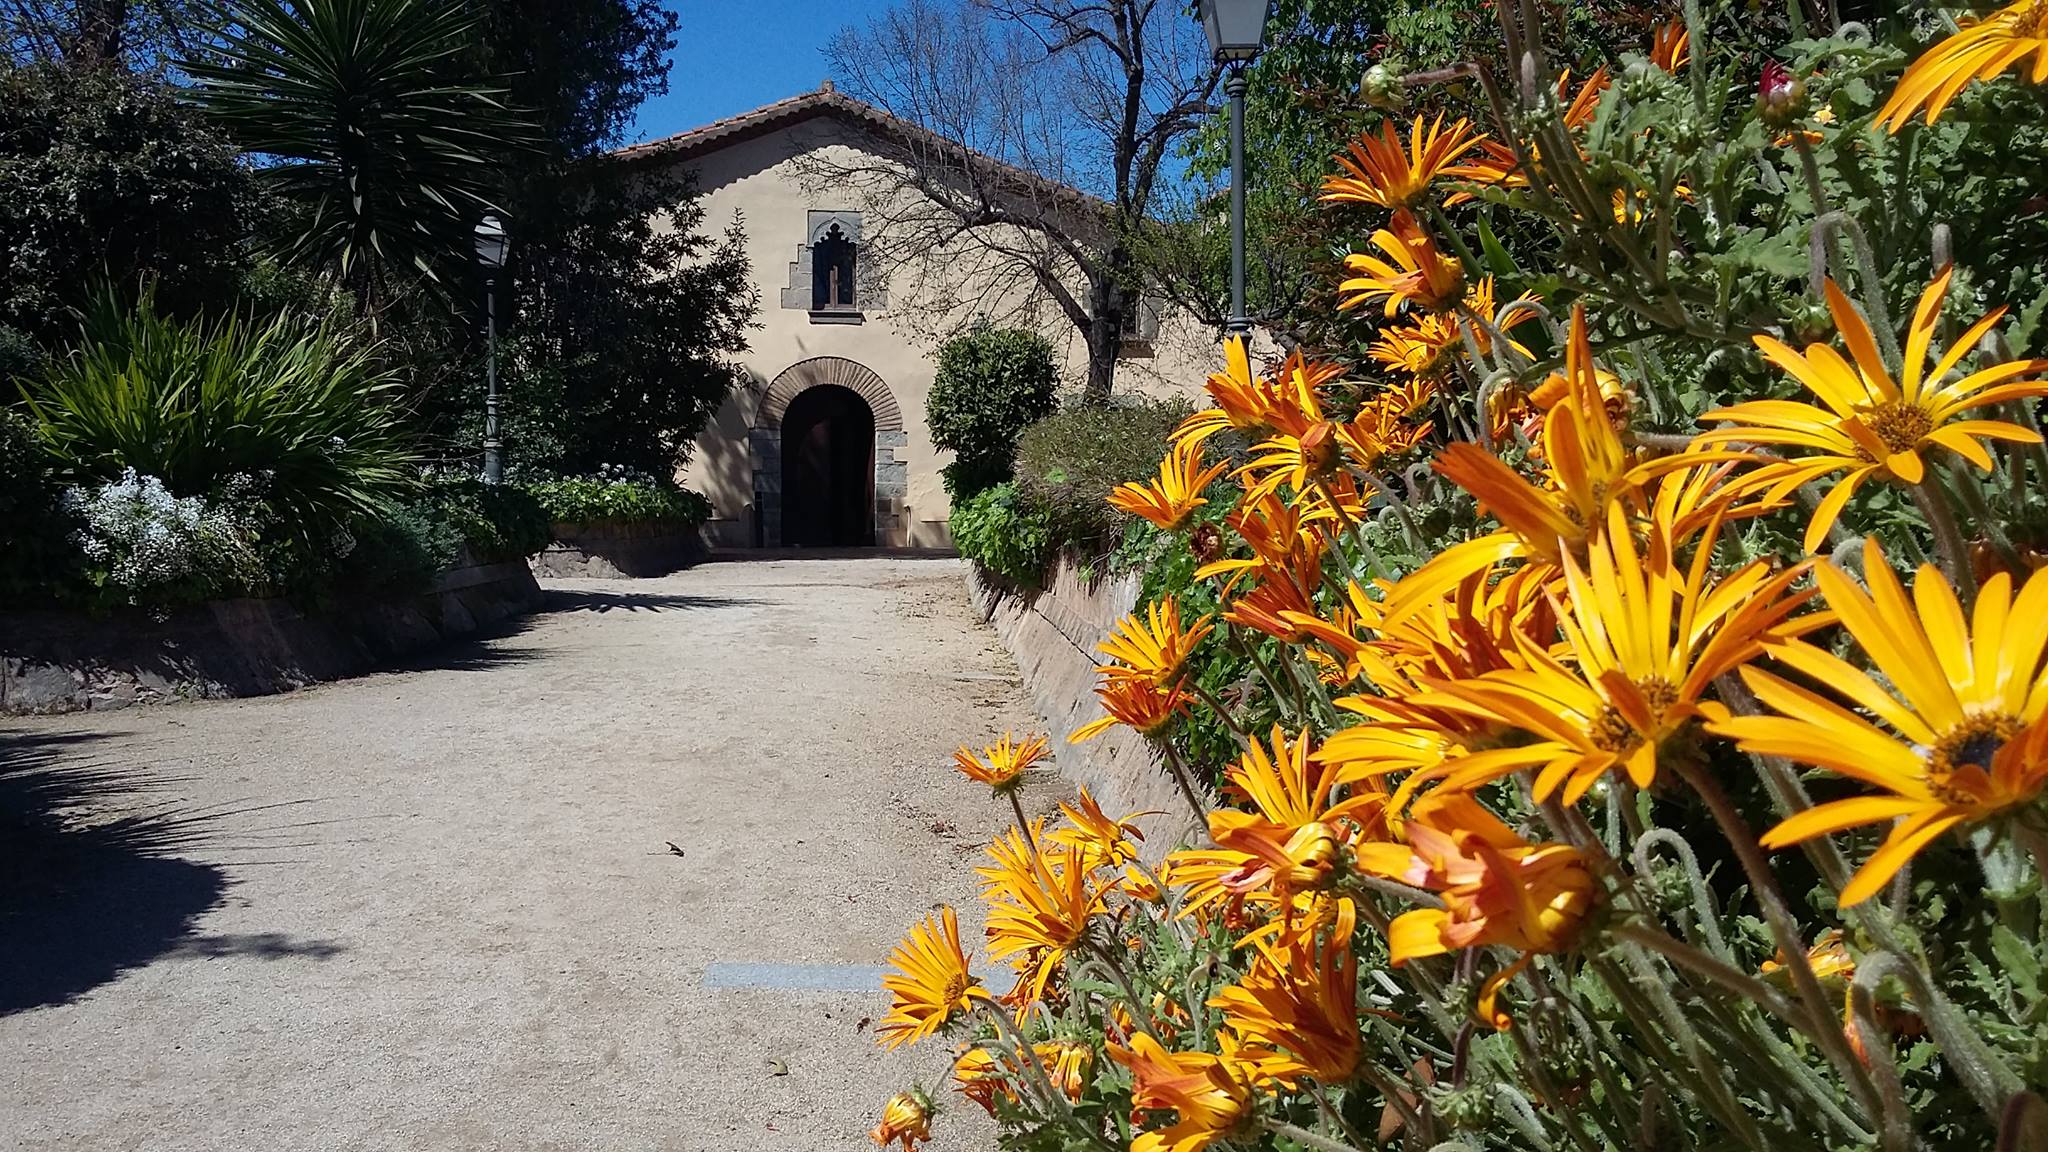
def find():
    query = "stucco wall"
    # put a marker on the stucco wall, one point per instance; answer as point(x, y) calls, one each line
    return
point(763, 180)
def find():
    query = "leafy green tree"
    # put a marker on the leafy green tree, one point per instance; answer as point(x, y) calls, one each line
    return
point(88, 34)
point(1332, 70)
point(629, 314)
point(106, 177)
point(581, 68)
point(372, 118)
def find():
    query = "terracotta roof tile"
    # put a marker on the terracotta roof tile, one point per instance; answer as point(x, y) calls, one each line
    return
point(824, 101)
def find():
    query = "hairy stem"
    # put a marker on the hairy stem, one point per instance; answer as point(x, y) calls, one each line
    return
point(1784, 929)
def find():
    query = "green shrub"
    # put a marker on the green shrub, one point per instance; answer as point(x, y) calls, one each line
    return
point(395, 554)
point(289, 404)
point(1005, 534)
point(1068, 463)
point(582, 499)
point(38, 553)
point(496, 521)
point(990, 385)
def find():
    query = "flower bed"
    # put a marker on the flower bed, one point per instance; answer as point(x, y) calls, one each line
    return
point(1618, 718)
point(615, 524)
point(57, 661)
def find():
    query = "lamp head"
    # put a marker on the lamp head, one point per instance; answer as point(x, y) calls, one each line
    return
point(490, 242)
point(1236, 28)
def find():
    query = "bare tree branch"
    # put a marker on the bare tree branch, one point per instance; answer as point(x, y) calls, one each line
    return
point(1030, 140)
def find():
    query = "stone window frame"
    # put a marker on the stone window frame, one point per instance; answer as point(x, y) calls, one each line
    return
point(1140, 340)
point(797, 295)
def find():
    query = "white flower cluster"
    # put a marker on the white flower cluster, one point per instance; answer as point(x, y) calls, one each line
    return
point(147, 538)
point(621, 474)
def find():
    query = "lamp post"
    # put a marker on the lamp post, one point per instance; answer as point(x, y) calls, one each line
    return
point(1237, 32)
point(490, 253)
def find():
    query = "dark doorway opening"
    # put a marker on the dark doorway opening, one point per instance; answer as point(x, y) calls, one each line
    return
point(828, 469)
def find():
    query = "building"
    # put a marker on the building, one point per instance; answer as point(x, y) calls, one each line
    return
point(826, 444)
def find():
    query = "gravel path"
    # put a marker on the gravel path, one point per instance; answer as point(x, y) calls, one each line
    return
point(439, 908)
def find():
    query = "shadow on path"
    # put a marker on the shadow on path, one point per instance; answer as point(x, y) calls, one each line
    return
point(566, 600)
point(767, 555)
point(92, 885)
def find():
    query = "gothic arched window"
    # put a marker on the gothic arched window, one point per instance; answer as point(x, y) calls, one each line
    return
point(832, 263)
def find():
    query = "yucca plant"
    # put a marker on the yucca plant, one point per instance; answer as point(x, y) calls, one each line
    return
point(369, 121)
point(293, 405)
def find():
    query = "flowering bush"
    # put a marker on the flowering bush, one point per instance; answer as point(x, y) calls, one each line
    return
point(1643, 721)
point(146, 546)
point(617, 494)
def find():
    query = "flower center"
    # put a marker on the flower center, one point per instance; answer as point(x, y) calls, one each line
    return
point(1901, 426)
point(1613, 733)
point(2031, 22)
point(1972, 744)
point(956, 987)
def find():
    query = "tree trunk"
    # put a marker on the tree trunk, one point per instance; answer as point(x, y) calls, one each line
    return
point(101, 27)
point(1104, 338)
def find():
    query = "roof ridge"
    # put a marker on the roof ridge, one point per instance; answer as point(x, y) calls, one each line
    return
point(826, 98)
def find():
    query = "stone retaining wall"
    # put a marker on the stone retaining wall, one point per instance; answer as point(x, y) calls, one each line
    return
point(67, 662)
point(1053, 634)
point(608, 549)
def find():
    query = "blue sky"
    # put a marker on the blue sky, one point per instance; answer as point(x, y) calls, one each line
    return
point(736, 55)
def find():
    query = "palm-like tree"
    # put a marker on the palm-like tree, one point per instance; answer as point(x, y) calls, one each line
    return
point(365, 116)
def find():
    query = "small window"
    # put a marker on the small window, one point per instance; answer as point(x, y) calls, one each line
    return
point(832, 264)
point(1137, 328)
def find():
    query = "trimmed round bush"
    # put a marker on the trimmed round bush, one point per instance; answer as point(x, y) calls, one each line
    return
point(1068, 463)
point(990, 386)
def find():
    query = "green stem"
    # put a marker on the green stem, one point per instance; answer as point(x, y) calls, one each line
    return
point(1304, 1137)
point(1949, 546)
point(1214, 705)
point(1028, 1056)
point(1023, 825)
point(1986, 1076)
point(1336, 1117)
point(1175, 765)
point(1727, 976)
point(1764, 886)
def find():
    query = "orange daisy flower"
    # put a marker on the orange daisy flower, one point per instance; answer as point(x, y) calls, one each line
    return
point(931, 984)
point(1965, 699)
point(1982, 49)
point(1497, 889)
point(1001, 765)
point(1411, 270)
point(1381, 171)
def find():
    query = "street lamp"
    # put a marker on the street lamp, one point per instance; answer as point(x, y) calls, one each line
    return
point(490, 253)
point(1237, 31)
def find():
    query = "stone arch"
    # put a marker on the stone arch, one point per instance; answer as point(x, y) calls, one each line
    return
point(830, 370)
point(892, 472)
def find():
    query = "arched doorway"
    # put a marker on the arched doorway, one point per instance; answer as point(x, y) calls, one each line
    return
point(776, 482)
point(828, 469)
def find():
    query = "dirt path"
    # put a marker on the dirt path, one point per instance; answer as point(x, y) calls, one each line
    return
point(439, 908)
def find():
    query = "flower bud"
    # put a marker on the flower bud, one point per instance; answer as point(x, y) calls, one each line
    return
point(1810, 323)
point(1382, 89)
point(1780, 96)
point(906, 1118)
